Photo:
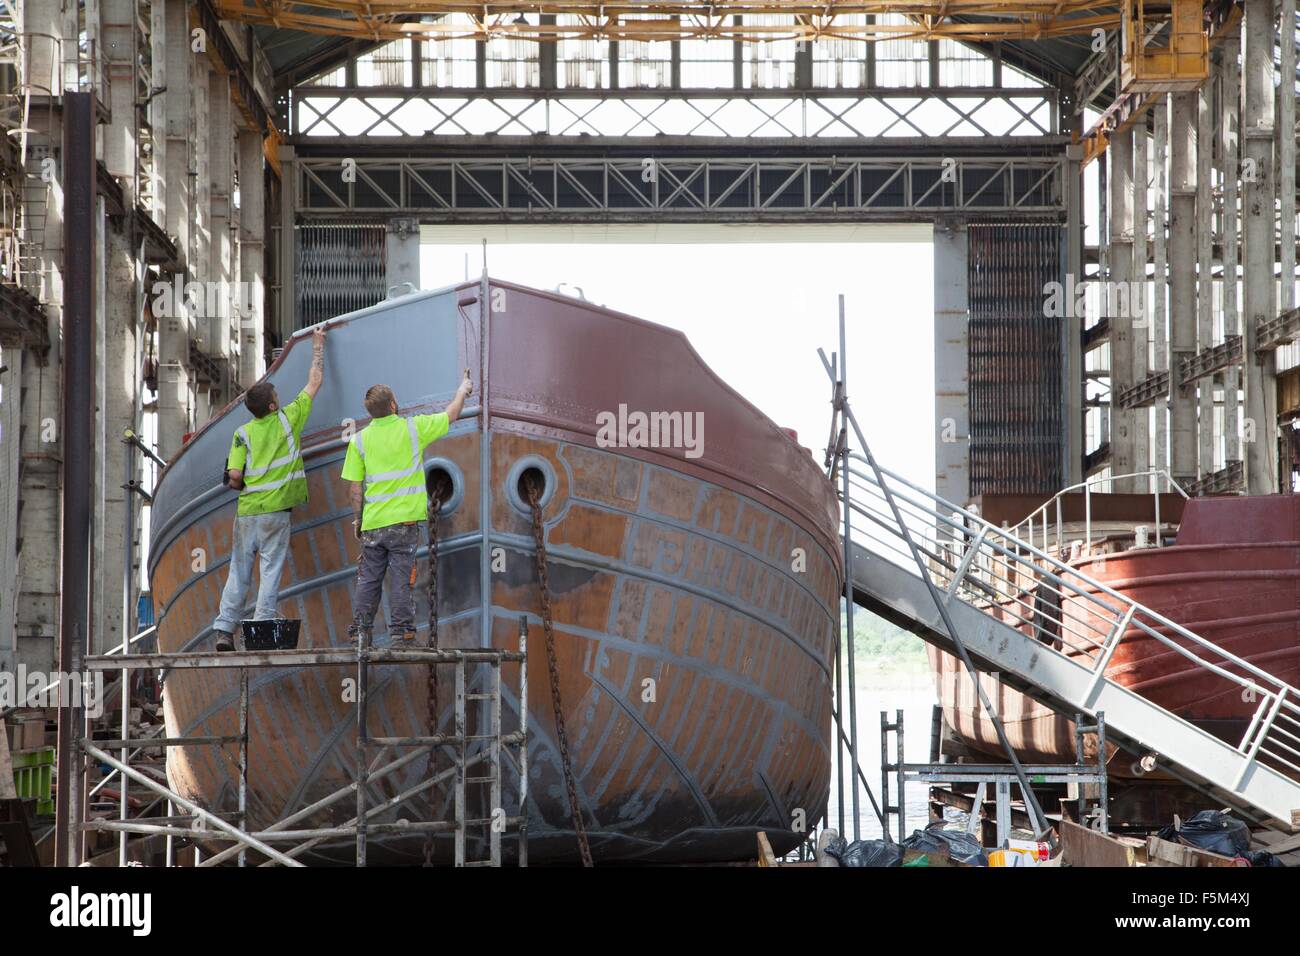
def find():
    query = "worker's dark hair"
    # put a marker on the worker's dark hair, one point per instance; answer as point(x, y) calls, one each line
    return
point(378, 398)
point(259, 399)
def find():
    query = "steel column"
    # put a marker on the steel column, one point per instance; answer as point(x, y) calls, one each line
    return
point(286, 271)
point(78, 465)
point(1160, 308)
point(402, 255)
point(1073, 360)
point(251, 303)
point(11, 391)
point(223, 337)
point(1205, 444)
point(951, 362)
point(1182, 281)
point(1119, 307)
point(173, 127)
point(1230, 158)
point(38, 522)
point(1140, 324)
point(1286, 155)
point(1259, 287)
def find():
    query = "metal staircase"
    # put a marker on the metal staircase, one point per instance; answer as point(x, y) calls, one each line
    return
point(1050, 631)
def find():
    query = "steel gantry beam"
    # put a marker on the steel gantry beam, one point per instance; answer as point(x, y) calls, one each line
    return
point(660, 20)
point(663, 184)
point(734, 114)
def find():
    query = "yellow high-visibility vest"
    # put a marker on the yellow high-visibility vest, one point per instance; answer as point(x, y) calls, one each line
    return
point(388, 454)
point(274, 476)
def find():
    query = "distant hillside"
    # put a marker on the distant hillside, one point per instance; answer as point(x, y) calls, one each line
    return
point(879, 646)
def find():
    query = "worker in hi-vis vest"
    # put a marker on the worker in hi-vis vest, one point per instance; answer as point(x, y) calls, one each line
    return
point(385, 465)
point(265, 464)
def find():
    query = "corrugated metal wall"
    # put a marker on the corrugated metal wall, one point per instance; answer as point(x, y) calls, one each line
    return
point(341, 268)
point(1016, 414)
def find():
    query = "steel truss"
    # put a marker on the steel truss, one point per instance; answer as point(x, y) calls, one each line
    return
point(826, 114)
point(666, 185)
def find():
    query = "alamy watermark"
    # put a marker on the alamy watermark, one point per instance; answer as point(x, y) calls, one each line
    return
point(24, 688)
point(1091, 297)
point(77, 908)
point(635, 429)
point(202, 299)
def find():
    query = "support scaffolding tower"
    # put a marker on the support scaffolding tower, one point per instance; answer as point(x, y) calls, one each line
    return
point(288, 839)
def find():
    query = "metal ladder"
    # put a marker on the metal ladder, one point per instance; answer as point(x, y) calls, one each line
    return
point(458, 745)
point(495, 821)
point(1050, 631)
point(32, 190)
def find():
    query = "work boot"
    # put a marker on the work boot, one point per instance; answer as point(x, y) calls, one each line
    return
point(405, 639)
point(353, 634)
point(225, 641)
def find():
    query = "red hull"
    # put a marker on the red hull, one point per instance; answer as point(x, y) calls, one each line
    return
point(1233, 577)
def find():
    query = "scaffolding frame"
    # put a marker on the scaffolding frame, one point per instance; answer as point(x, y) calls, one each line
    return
point(187, 819)
point(996, 777)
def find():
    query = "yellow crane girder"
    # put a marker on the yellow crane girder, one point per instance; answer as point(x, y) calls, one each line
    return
point(1150, 67)
point(658, 20)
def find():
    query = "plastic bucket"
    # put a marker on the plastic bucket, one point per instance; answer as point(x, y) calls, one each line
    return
point(279, 634)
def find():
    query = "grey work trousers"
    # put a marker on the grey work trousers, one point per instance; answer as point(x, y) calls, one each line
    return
point(387, 552)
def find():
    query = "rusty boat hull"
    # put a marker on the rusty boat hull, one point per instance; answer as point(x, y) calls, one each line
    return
point(669, 574)
point(1232, 576)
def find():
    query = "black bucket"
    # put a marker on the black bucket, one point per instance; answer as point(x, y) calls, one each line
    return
point(279, 634)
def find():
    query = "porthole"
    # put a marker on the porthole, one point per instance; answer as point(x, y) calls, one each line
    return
point(530, 468)
point(442, 474)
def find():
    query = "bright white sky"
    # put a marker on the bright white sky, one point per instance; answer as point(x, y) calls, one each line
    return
point(756, 303)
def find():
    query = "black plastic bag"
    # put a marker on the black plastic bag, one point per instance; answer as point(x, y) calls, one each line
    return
point(957, 845)
point(873, 853)
point(1263, 858)
point(836, 846)
point(1213, 831)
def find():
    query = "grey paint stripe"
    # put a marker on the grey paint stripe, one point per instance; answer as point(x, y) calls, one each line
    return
point(682, 772)
point(577, 558)
point(714, 536)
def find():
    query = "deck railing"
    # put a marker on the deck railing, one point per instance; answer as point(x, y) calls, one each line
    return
point(1045, 524)
point(1070, 613)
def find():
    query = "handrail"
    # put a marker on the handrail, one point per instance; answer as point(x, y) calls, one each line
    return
point(1117, 612)
point(1099, 479)
point(1246, 684)
point(1090, 581)
point(1087, 485)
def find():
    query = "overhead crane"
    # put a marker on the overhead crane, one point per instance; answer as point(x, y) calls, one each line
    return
point(1164, 45)
point(659, 20)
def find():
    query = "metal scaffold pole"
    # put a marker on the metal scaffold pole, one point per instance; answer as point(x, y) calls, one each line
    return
point(363, 680)
point(1041, 826)
point(485, 458)
point(848, 576)
point(837, 457)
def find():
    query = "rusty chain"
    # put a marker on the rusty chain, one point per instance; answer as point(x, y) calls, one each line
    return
point(561, 736)
point(431, 713)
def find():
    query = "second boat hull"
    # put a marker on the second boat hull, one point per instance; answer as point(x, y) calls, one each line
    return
point(1233, 577)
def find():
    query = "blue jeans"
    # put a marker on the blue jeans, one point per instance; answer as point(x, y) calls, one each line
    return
point(267, 536)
